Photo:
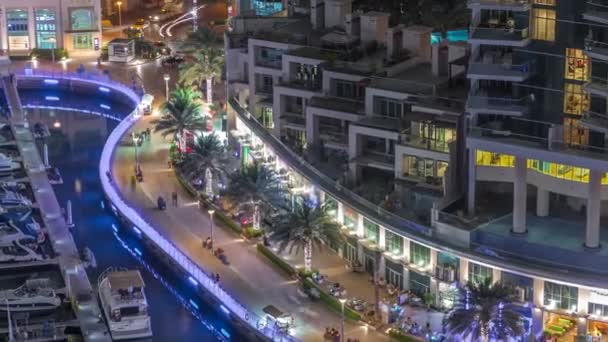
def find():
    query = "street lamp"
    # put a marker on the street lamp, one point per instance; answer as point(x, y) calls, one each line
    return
point(53, 40)
point(342, 301)
point(119, 3)
point(166, 77)
point(194, 16)
point(211, 212)
point(135, 140)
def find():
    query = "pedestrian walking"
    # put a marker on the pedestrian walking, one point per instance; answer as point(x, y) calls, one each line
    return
point(217, 277)
point(174, 197)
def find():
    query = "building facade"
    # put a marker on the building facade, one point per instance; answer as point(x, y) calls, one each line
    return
point(71, 24)
point(498, 177)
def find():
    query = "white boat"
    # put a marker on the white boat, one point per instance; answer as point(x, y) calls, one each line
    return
point(9, 198)
point(33, 297)
point(124, 304)
point(7, 164)
point(20, 250)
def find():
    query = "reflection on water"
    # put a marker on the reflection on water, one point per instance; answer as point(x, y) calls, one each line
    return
point(75, 148)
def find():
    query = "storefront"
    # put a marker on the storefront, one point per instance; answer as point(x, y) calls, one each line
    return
point(524, 286)
point(350, 250)
point(371, 231)
point(17, 29)
point(46, 28)
point(394, 273)
point(419, 283)
point(561, 302)
point(597, 321)
point(350, 218)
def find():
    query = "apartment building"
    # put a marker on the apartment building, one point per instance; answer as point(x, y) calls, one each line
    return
point(73, 24)
point(507, 184)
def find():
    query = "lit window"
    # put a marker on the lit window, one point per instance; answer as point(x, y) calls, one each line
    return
point(544, 24)
point(420, 255)
point(559, 296)
point(371, 231)
point(576, 101)
point(574, 134)
point(478, 273)
point(577, 65)
point(485, 158)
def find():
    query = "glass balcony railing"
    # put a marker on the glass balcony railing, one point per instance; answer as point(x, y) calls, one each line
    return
point(596, 11)
point(499, 32)
point(498, 104)
point(596, 48)
point(596, 121)
point(502, 68)
point(415, 140)
point(512, 5)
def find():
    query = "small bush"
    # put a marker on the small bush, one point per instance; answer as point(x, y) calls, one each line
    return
point(47, 54)
point(275, 259)
point(401, 337)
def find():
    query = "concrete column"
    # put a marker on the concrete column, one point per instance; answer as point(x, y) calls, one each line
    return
point(312, 128)
point(359, 228)
point(360, 254)
point(496, 275)
point(382, 267)
point(592, 235)
point(537, 324)
point(464, 271)
point(519, 196)
point(433, 261)
point(542, 202)
point(582, 306)
point(382, 237)
point(406, 279)
point(471, 179)
point(406, 249)
point(341, 213)
point(538, 292)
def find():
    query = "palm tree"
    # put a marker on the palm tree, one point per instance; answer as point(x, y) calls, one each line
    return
point(258, 185)
point(484, 309)
point(206, 158)
point(207, 64)
point(307, 227)
point(200, 39)
point(180, 113)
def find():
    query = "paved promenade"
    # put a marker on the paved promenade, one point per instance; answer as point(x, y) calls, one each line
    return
point(86, 308)
point(249, 277)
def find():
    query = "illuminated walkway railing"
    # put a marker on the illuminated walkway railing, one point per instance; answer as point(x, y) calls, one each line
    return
point(120, 207)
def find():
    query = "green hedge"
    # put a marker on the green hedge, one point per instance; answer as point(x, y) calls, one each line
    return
point(401, 337)
point(48, 54)
point(280, 263)
point(189, 188)
point(251, 233)
point(227, 221)
point(331, 301)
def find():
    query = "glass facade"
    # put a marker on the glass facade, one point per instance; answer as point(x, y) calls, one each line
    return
point(82, 19)
point(419, 254)
point(418, 167)
point(577, 65)
point(393, 243)
point(371, 231)
point(576, 101)
point(350, 218)
point(560, 296)
point(543, 24)
point(567, 172)
point(479, 273)
point(17, 29)
point(598, 309)
point(46, 29)
point(419, 283)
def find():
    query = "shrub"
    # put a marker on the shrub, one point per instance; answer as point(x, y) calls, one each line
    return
point(47, 54)
point(332, 302)
point(275, 259)
point(401, 337)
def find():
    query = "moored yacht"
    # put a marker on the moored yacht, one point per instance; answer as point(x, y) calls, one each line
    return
point(10, 199)
point(34, 297)
point(7, 164)
point(124, 304)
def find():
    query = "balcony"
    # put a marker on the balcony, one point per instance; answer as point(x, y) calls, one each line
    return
point(500, 68)
point(595, 121)
point(596, 11)
point(425, 143)
point(597, 86)
point(501, 5)
point(377, 160)
point(500, 105)
point(333, 139)
point(596, 49)
point(496, 33)
point(515, 131)
point(294, 122)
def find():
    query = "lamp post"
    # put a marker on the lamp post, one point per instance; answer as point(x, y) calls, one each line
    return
point(134, 137)
point(194, 16)
point(166, 77)
point(342, 301)
point(53, 40)
point(211, 212)
point(119, 3)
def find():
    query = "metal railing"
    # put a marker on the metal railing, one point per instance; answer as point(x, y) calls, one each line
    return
point(596, 46)
point(502, 68)
point(331, 186)
point(501, 32)
point(594, 118)
point(503, 103)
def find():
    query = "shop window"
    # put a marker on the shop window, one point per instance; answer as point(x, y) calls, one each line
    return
point(544, 24)
point(598, 309)
point(574, 133)
point(350, 218)
point(46, 35)
point(394, 243)
point(557, 296)
point(419, 255)
point(332, 206)
point(371, 231)
point(479, 273)
point(577, 65)
point(419, 283)
point(82, 19)
point(441, 168)
point(394, 277)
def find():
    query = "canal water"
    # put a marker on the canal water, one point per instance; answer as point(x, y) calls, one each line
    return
point(75, 148)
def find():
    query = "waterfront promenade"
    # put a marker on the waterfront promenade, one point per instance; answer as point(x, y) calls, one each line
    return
point(79, 288)
point(250, 278)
